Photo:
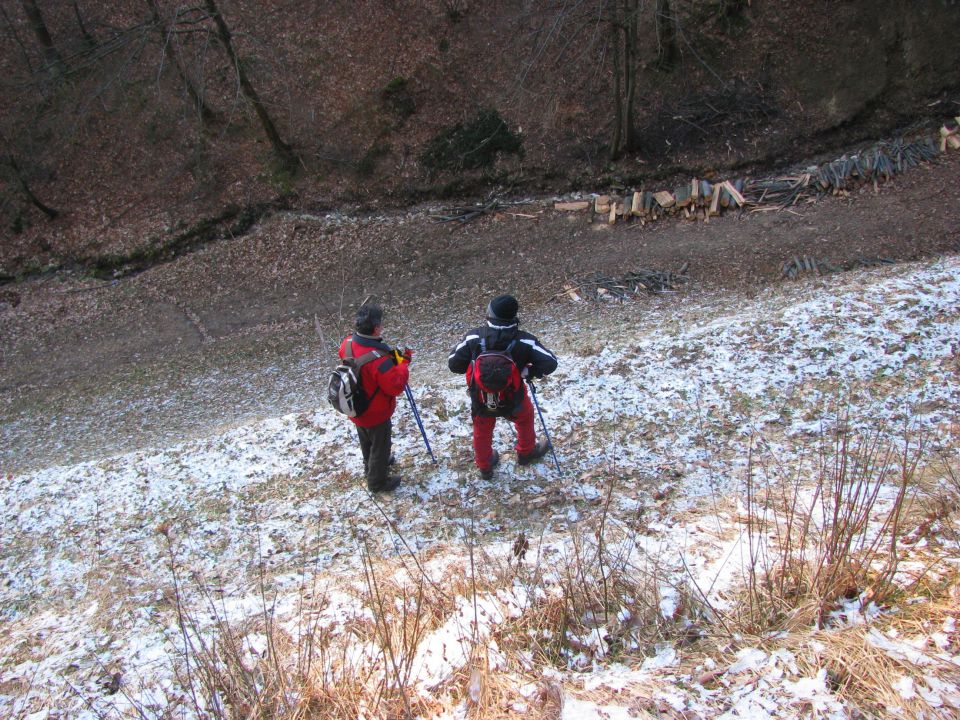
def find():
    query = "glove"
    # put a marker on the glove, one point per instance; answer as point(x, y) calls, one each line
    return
point(528, 374)
point(402, 356)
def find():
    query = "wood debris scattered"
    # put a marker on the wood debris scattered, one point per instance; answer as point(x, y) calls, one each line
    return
point(466, 213)
point(797, 266)
point(604, 287)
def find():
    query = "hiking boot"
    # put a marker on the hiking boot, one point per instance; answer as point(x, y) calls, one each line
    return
point(494, 461)
point(539, 450)
point(392, 483)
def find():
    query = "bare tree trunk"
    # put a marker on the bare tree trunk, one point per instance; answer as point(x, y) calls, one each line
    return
point(88, 39)
point(666, 24)
point(616, 142)
point(623, 39)
point(284, 152)
point(631, 53)
point(196, 98)
point(51, 55)
point(27, 192)
point(16, 38)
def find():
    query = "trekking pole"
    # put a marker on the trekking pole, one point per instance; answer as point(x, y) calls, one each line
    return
point(533, 394)
point(416, 416)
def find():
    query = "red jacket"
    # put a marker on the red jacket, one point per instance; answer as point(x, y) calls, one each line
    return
point(382, 379)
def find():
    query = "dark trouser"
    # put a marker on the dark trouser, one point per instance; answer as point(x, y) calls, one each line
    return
point(483, 434)
point(375, 446)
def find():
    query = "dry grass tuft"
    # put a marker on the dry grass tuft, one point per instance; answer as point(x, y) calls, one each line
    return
point(827, 530)
point(893, 668)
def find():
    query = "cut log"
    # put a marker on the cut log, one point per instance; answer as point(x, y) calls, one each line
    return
point(954, 142)
point(664, 199)
point(706, 192)
point(647, 203)
point(715, 201)
point(636, 206)
point(627, 206)
point(725, 199)
point(602, 204)
point(734, 192)
point(572, 206)
point(612, 217)
point(695, 191)
point(682, 196)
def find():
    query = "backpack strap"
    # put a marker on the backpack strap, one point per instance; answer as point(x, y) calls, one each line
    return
point(359, 362)
point(363, 359)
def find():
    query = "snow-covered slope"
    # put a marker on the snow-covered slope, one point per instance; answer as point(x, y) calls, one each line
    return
point(656, 411)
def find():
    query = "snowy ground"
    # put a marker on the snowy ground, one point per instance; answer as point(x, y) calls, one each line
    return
point(657, 407)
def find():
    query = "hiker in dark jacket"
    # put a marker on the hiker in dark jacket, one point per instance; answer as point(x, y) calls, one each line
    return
point(382, 379)
point(532, 360)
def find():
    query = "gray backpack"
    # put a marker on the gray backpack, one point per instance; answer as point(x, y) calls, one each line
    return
point(344, 390)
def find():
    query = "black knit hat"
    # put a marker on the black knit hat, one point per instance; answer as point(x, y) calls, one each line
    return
point(503, 308)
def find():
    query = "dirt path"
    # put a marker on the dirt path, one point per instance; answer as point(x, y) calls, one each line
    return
point(228, 332)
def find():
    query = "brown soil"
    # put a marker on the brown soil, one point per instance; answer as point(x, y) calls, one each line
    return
point(251, 301)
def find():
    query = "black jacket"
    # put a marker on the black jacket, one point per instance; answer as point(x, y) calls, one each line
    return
point(527, 351)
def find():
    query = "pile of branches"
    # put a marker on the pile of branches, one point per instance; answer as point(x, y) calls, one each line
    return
point(797, 266)
point(878, 164)
point(603, 287)
point(465, 214)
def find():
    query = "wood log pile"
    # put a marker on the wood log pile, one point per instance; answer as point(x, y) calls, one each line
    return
point(702, 199)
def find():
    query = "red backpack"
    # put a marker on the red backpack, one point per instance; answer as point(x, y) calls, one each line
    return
point(494, 380)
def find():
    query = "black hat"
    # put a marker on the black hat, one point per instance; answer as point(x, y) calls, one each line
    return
point(503, 308)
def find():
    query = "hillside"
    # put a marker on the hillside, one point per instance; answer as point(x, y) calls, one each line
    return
point(754, 509)
point(132, 122)
point(654, 575)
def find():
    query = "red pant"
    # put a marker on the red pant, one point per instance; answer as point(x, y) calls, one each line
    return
point(483, 433)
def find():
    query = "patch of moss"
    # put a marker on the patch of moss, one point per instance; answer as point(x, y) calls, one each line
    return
point(398, 100)
point(473, 146)
point(368, 163)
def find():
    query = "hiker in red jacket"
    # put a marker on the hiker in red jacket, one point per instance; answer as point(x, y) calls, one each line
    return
point(497, 358)
point(382, 379)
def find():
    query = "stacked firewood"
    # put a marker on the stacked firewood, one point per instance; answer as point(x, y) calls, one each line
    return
point(701, 199)
point(698, 198)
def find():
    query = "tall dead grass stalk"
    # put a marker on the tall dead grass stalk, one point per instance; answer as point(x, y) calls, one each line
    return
point(827, 529)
